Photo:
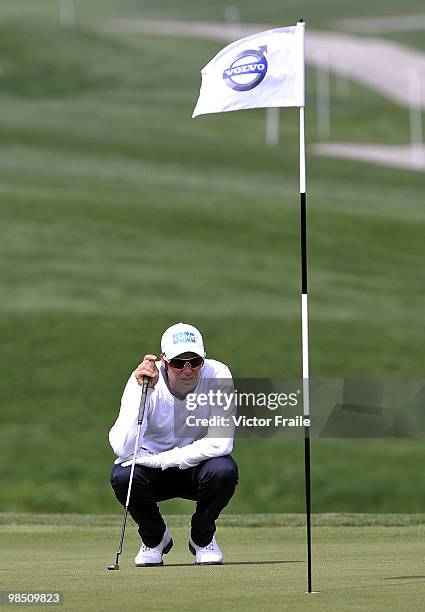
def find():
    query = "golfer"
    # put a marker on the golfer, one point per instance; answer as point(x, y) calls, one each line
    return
point(178, 456)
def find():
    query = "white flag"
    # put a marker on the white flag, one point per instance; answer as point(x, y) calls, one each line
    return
point(265, 69)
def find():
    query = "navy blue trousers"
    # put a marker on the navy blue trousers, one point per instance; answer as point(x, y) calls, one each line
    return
point(211, 484)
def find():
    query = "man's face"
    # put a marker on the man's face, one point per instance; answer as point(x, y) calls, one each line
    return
point(183, 380)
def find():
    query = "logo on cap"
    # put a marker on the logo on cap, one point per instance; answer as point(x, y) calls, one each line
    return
point(247, 70)
point(184, 337)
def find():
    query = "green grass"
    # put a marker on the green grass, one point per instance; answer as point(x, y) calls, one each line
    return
point(269, 11)
point(367, 566)
point(412, 39)
point(340, 519)
point(121, 215)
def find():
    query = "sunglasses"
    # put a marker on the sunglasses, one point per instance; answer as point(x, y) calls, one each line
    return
point(179, 364)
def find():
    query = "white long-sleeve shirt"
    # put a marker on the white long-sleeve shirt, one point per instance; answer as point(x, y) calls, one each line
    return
point(165, 427)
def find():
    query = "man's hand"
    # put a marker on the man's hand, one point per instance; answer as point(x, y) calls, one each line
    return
point(164, 460)
point(147, 368)
point(152, 461)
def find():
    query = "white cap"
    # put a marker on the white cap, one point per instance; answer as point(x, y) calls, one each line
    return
point(182, 338)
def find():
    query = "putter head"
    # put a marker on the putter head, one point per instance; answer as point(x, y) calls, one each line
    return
point(115, 566)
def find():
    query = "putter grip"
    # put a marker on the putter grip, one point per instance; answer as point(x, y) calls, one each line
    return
point(143, 399)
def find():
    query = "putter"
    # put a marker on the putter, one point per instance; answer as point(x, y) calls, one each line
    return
point(115, 566)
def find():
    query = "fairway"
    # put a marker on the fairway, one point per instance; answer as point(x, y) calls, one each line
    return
point(371, 563)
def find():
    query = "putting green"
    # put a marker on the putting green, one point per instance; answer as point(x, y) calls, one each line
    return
point(362, 566)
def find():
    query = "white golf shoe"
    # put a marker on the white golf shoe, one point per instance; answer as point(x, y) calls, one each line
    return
point(147, 557)
point(206, 555)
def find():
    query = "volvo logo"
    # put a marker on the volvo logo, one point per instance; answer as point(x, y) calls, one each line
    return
point(247, 70)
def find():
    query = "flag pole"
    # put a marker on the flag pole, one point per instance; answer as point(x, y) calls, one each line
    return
point(305, 353)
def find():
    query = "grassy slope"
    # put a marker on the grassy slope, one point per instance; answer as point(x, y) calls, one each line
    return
point(413, 39)
point(120, 215)
point(268, 11)
point(355, 568)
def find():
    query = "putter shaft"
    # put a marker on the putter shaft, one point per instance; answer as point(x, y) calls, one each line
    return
point(116, 566)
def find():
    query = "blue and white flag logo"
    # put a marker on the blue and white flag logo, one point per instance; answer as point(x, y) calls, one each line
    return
point(183, 337)
point(247, 70)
